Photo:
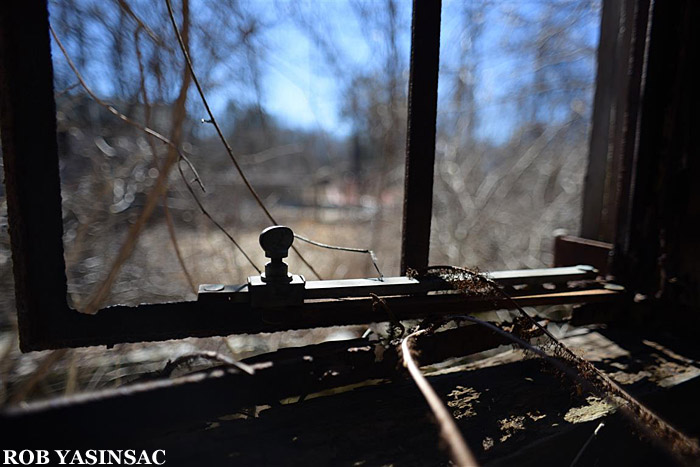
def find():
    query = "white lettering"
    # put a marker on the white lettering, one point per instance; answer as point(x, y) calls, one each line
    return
point(77, 458)
point(115, 456)
point(129, 457)
point(23, 455)
point(155, 456)
point(91, 457)
point(42, 457)
point(10, 456)
point(62, 456)
point(26, 457)
point(143, 458)
point(88, 457)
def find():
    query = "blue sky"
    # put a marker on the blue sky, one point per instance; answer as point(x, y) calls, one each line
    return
point(299, 88)
point(301, 91)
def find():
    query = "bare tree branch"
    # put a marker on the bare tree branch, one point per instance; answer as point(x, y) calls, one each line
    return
point(156, 192)
point(229, 151)
point(461, 454)
point(166, 210)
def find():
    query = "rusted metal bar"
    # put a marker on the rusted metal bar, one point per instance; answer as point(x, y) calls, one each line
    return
point(570, 250)
point(420, 144)
point(660, 244)
point(30, 154)
point(340, 304)
point(628, 144)
point(622, 80)
point(119, 324)
point(347, 288)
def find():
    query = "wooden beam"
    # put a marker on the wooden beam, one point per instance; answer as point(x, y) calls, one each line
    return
point(30, 155)
point(603, 117)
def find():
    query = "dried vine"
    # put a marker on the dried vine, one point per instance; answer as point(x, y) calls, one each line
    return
point(473, 282)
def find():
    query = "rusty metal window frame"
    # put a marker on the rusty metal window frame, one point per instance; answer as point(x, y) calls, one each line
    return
point(34, 209)
point(620, 79)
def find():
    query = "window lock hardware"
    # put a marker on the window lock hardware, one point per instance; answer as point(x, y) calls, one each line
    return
point(276, 287)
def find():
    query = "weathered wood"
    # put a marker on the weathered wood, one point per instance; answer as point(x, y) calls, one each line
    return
point(30, 157)
point(624, 77)
point(517, 413)
point(592, 218)
point(660, 251)
point(626, 142)
point(155, 405)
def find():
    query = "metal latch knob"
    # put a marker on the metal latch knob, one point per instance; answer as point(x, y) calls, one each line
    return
point(276, 241)
point(276, 287)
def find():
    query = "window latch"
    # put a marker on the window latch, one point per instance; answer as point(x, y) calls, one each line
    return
point(276, 287)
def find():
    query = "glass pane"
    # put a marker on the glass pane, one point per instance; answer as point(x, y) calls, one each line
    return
point(515, 99)
point(311, 97)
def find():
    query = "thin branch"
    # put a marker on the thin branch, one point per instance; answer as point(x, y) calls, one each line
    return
point(171, 366)
point(127, 248)
point(371, 254)
point(7, 362)
point(141, 24)
point(525, 345)
point(72, 375)
point(176, 246)
point(212, 120)
point(38, 375)
point(461, 454)
point(214, 221)
point(158, 136)
point(151, 143)
point(658, 429)
point(101, 293)
point(585, 445)
point(396, 328)
point(118, 114)
point(65, 90)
